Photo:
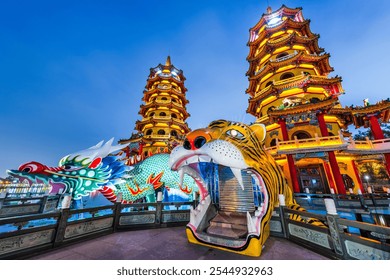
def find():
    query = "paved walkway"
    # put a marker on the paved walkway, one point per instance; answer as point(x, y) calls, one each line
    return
point(167, 244)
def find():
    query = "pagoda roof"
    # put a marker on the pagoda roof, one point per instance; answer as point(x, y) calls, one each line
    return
point(321, 61)
point(165, 77)
point(358, 114)
point(170, 104)
point(300, 81)
point(169, 89)
point(282, 11)
point(293, 38)
point(323, 105)
point(156, 119)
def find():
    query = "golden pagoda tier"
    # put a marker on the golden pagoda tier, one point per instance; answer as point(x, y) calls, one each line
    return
point(163, 124)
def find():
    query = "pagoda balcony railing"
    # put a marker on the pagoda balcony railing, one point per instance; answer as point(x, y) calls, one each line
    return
point(369, 146)
point(177, 104)
point(162, 117)
point(330, 143)
point(157, 136)
point(283, 58)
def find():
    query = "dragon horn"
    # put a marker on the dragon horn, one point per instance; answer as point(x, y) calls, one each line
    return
point(98, 145)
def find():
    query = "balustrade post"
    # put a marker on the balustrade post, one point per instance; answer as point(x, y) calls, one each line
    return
point(43, 203)
point(334, 229)
point(282, 206)
point(117, 214)
point(3, 195)
point(159, 207)
point(61, 227)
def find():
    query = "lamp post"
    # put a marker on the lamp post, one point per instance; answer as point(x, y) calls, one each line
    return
point(367, 179)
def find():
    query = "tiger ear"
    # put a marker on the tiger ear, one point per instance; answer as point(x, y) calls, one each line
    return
point(259, 130)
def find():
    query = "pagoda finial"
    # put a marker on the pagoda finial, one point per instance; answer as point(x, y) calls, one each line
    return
point(269, 10)
point(168, 62)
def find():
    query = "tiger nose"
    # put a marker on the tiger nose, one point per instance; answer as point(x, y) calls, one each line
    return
point(194, 144)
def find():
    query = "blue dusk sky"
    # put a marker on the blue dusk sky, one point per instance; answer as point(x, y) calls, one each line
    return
point(72, 73)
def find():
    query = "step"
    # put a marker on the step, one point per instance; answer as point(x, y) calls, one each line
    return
point(222, 231)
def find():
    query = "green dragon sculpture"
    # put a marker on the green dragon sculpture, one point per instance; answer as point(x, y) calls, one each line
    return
point(97, 169)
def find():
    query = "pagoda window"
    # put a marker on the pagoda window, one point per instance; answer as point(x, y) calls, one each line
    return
point(162, 114)
point(161, 132)
point(270, 109)
point(268, 84)
point(174, 116)
point(281, 55)
point(174, 133)
point(164, 98)
point(286, 76)
point(273, 142)
point(314, 100)
point(149, 132)
point(301, 135)
point(151, 114)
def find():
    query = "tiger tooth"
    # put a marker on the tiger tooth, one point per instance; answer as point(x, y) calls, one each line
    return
point(181, 176)
point(237, 174)
point(251, 225)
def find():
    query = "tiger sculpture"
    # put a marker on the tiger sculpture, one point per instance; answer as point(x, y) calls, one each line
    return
point(239, 186)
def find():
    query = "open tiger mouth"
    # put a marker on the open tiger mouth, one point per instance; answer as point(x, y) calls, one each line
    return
point(232, 194)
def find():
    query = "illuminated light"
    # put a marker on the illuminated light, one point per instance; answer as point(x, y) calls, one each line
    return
point(305, 65)
point(274, 21)
point(261, 29)
point(291, 91)
point(148, 125)
point(284, 68)
point(268, 100)
point(265, 58)
point(281, 49)
point(297, 47)
point(316, 90)
point(277, 34)
point(266, 77)
point(262, 44)
point(272, 127)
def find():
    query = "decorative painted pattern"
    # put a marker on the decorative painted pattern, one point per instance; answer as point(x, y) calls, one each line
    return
point(137, 219)
point(363, 252)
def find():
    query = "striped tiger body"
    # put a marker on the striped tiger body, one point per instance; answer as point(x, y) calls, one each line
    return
point(242, 189)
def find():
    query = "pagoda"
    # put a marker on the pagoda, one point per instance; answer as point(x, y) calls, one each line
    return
point(163, 113)
point(291, 93)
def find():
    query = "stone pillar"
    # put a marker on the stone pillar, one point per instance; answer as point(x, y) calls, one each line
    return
point(332, 158)
point(290, 160)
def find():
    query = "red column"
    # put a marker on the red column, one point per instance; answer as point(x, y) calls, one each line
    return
point(332, 158)
point(330, 176)
point(378, 135)
point(290, 160)
point(359, 180)
point(376, 128)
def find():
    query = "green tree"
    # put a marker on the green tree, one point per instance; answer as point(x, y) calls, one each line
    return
point(361, 135)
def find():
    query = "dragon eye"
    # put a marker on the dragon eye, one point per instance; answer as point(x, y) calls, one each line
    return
point(27, 169)
point(235, 134)
point(67, 167)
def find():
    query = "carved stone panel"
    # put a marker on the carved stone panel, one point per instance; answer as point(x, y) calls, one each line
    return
point(12, 244)
point(175, 217)
point(14, 211)
point(276, 226)
point(363, 252)
point(137, 219)
point(310, 235)
point(87, 227)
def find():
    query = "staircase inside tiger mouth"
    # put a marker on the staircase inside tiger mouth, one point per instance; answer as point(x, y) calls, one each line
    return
point(229, 219)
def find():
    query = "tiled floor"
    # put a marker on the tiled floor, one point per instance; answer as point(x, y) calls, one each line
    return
point(167, 244)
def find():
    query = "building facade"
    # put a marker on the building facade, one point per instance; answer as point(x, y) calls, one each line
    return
point(163, 124)
point(292, 93)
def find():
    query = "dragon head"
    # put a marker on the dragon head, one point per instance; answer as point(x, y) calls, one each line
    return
point(79, 173)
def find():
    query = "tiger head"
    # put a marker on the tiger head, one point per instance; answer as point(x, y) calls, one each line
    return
point(237, 180)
